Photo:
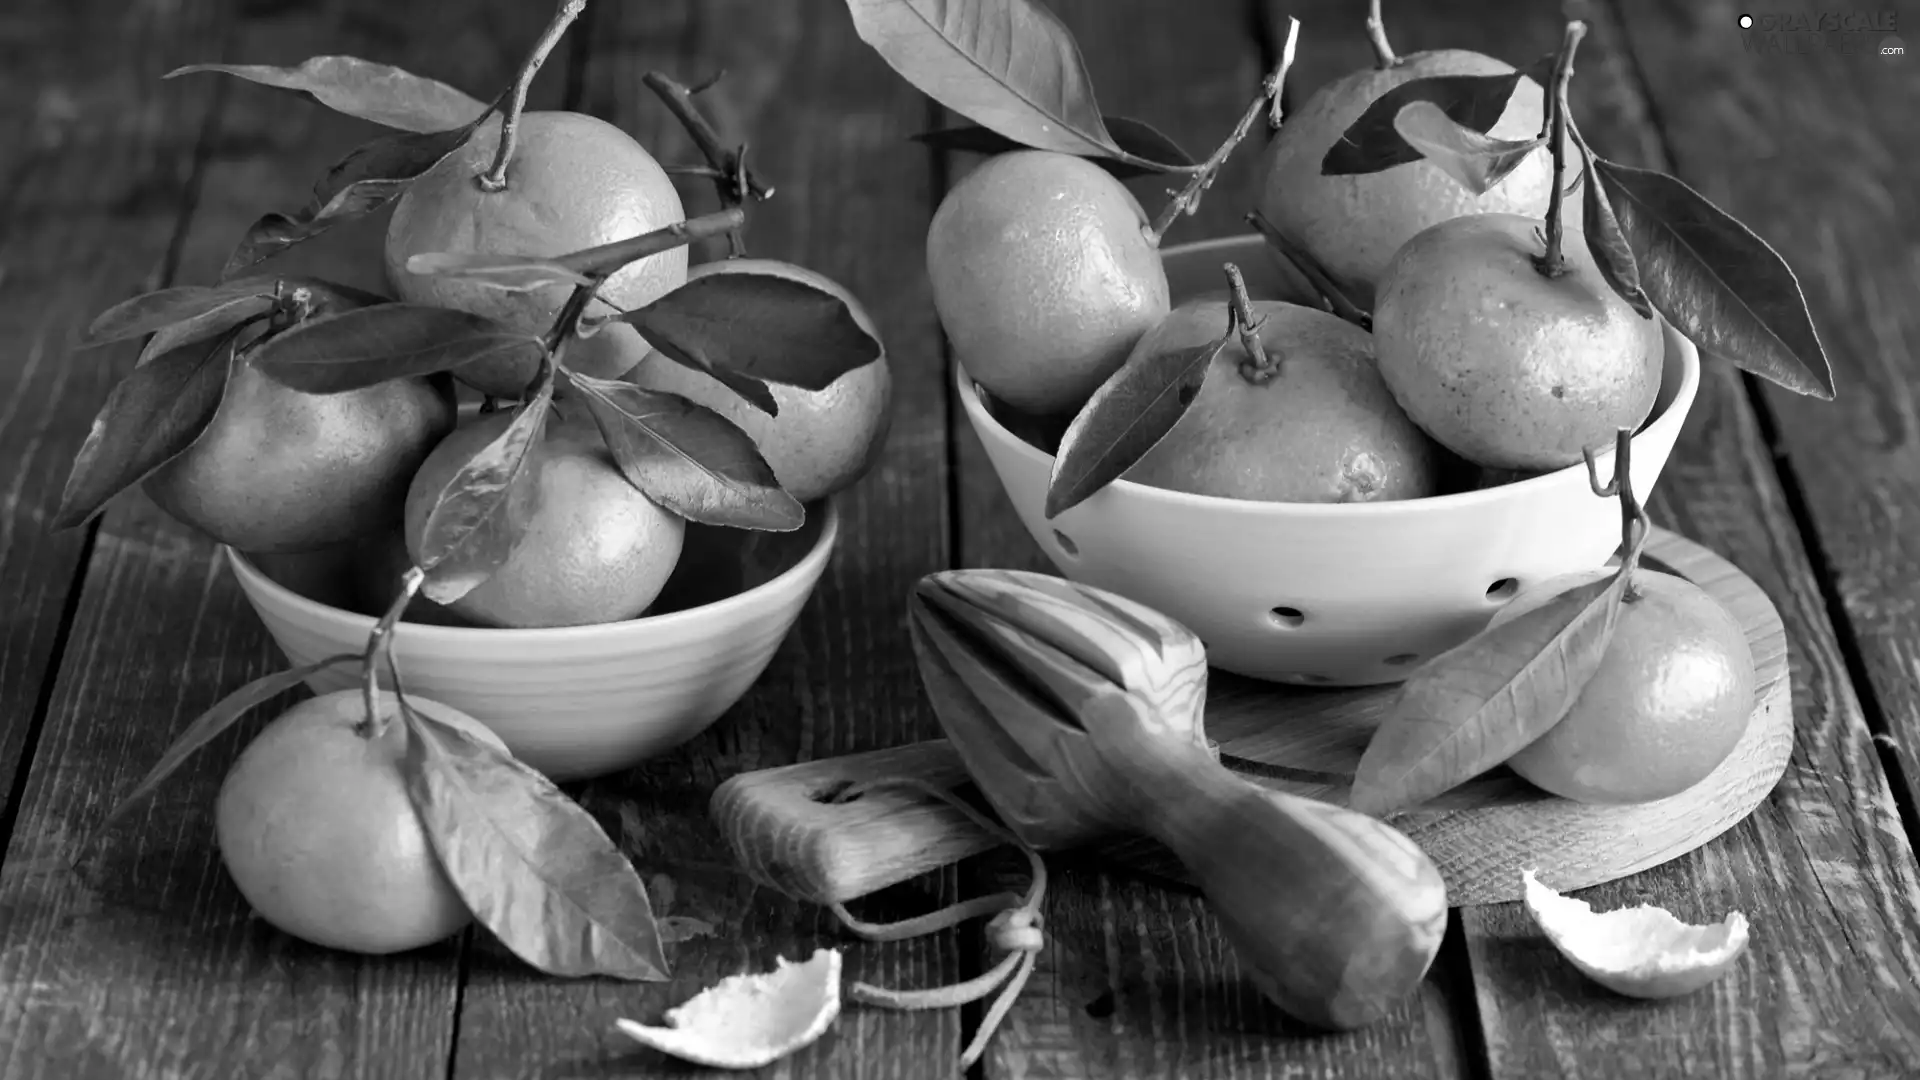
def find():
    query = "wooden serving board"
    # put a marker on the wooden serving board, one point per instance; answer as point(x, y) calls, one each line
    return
point(784, 824)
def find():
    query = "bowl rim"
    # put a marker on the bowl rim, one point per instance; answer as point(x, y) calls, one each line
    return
point(1673, 416)
point(809, 565)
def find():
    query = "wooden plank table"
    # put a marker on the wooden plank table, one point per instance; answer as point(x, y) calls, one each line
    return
point(111, 638)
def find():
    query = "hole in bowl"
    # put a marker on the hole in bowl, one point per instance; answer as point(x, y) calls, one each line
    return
point(1401, 659)
point(1287, 618)
point(1066, 543)
point(1503, 590)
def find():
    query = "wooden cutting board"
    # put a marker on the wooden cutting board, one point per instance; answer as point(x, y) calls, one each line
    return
point(784, 824)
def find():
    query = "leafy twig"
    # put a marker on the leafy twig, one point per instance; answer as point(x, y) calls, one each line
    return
point(1258, 368)
point(1377, 34)
point(1634, 522)
point(1187, 200)
point(1337, 300)
point(495, 178)
point(1554, 262)
point(378, 643)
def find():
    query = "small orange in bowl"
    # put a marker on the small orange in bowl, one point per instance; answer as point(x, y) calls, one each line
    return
point(573, 701)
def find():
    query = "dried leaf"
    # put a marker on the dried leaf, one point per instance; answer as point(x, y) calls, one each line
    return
point(1373, 143)
point(1475, 160)
point(151, 415)
point(1608, 244)
point(688, 458)
point(383, 94)
point(372, 175)
point(1125, 417)
point(1008, 65)
point(364, 347)
point(485, 509)
point(508, 273)
point(1156, 152)
point(1715, 281)
point(763, 326)
point(1476, 705)
point(208, 726)
point(530, 863)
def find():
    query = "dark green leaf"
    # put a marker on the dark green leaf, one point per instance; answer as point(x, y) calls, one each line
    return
point(233, 316)
point(1372, 143)
point(163, 308)
point(152, 415)
point(533, 866)
point(1008, 65)
point(366, 346)
point(208, 726)
point(372, 175)
point(1715, 281)
point(688, 458)
point(385, 95)
point(1476, 161)
point(1607, 243)
point(1476, 705)
point(508, 273)
point(369, 177)
point(482, 513)
point(1126, 416)
point(763, 326)
point(1152, 151)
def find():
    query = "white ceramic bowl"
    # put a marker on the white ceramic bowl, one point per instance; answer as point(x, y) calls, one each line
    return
point(1350, 594)
point(582, 701)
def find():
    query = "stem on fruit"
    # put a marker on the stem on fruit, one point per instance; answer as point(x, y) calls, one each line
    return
point(1634, 522)
point(1554, 262)
point(495, 178)
point(1259, 367)
point(1331, 296)
point(1187, 200)
point(728, 170)
point(373, 724)
point(1377, 33)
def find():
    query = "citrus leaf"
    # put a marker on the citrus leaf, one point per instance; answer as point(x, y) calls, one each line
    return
point(370, 176)
point(1125, 417)
point(1373, 143)
point(162, 308)
point(1156, 152)
point(509, 273)
point(485, 509)
point(1009, 65)
point(688, 458)
point(763, 326)
point(151, 415)
point(533, 866)
point(1475, 160)
point(386, 95)
point(1607, 243)
point(1476, 705)
point(208, 726)
point(349, 350)
point(234, 315)
point(1715, 281)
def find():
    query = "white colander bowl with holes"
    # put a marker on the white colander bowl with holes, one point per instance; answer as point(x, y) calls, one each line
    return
point(1327, 594)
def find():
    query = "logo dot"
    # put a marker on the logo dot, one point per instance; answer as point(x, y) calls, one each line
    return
point(1746, 22)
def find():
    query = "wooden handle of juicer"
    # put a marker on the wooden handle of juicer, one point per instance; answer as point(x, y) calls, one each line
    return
point(786, 829)
point(1337, 915)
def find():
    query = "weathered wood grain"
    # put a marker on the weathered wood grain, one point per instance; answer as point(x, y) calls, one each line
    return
point(1136, 979)
point(1823, 868)
point(828, 125)
point(150, 965)
point(1815, 149)
point(96, 164)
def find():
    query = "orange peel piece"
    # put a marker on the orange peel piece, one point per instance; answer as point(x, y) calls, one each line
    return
point(751, 1020)
point(1641, 951)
